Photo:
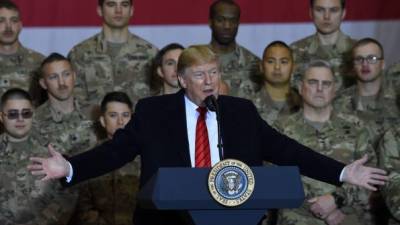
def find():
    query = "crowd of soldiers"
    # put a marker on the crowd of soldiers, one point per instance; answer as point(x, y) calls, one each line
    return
point(327, 91)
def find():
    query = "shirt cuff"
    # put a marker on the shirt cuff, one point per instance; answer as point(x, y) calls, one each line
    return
point(342, 174)
point(71, 173)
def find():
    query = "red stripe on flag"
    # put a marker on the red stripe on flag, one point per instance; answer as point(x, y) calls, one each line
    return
point(151, 12)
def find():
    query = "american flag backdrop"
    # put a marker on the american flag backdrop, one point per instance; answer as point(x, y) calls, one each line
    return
point(57, 25)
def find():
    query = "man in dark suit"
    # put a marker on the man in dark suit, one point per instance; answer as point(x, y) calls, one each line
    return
point(162, 133)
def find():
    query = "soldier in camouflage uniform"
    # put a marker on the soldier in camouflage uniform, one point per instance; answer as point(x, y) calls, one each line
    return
point(393, 75)
point(373, 99)
point(111, 198)
point(329, 43)
point(394, 70)
point(24, 200)
point(236, 62)
point(114, 59)
point(340, 137)
point(62, 118)
point(164, 79)
point(389, 159)
point(271, 91)
point(17, 63)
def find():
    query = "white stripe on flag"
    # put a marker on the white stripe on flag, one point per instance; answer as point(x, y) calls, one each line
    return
point(253, 36)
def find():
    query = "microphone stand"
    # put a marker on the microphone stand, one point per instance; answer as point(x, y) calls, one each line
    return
point(212, 105)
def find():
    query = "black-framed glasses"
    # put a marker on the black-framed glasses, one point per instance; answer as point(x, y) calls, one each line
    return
point(13, 114)
point(371, 59)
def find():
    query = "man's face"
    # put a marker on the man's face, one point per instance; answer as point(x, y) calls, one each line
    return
point(12, 117)
point(327, 15)
point(368, 71)
point(10, 26)
point(167, 71)
point(200, 81)
point(224, 24)
point(116, 13)
point(277, 65)
point(318, 87)
point(58, 79)
point(117, 115)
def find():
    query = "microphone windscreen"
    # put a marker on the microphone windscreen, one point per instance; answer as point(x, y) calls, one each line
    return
point(210, 103)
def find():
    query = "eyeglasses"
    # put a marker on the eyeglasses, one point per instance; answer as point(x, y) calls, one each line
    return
point(371, 59)
point(13, 114)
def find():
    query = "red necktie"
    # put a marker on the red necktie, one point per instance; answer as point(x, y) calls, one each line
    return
point(202, 150)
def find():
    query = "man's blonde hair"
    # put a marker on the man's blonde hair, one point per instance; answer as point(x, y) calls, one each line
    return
point(195, 55)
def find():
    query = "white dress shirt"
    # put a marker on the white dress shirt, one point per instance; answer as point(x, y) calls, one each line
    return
point(212, 129)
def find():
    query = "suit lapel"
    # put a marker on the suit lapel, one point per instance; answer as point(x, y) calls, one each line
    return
point(227, 121)
point(177, 127)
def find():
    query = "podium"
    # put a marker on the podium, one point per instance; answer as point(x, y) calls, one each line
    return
point(186, 189)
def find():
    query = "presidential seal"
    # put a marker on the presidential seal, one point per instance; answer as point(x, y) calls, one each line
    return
point(231, 182)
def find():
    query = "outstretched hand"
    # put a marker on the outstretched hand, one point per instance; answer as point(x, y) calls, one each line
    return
point(54, 167)
point(358, 174)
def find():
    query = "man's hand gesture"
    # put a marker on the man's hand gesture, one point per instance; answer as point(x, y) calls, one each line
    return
point(358, 174)
point(54, 167)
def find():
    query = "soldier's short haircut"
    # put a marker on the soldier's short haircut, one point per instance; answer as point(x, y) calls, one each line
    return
point(317, 63)
point(366, 41)
point(195, 55)
point(342, 3)
point(258, 78)
point(53, 57)
point(8, 4)
point(101, 2)
point(14, 94)
point(213, 7)
point(115, 96)
point(280, 44)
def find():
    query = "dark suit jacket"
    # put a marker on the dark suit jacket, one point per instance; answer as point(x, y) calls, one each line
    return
point(158, 134)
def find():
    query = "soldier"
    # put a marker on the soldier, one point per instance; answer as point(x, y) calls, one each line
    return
point(17, 63)
point(340, 137)
point(328, 43)
point(164, 79)
point(373, 98)
point(114, 59)
point(393, 74)
point(271, 92)
point(62, 118)
point(394, 70)
point(237, 63)
point(104, 199)
point(23, 199)
point(389, 158)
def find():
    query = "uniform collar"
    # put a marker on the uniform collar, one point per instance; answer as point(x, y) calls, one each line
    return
point(341, 43)
point(58, 116)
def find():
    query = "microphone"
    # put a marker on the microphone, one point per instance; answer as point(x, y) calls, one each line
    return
point(212, 105)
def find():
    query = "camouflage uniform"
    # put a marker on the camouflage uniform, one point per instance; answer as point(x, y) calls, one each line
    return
point(73, 131)
point(25, 200)
point(394, 70)
point(393, 74)
point(338, 55)
point(17, 70)
point(389, 159)
point(266, 107)
point(384, 111)
point(341, 139)
point(109, 199)
point(238, 66)
point(99, 71)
